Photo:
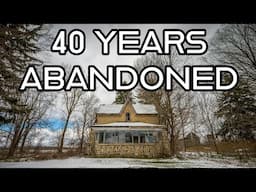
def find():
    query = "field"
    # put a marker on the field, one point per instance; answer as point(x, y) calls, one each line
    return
point(183, 160)
point(227, 147)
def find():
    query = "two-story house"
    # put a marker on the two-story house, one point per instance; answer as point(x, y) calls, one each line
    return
point(128, 130)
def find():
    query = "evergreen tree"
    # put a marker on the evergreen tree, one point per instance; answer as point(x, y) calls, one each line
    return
point(123, 96)
point(18, 49)
point(237, 108)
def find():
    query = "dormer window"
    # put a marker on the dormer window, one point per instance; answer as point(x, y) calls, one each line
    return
point(127, 116)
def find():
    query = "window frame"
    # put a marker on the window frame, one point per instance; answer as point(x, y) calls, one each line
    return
point(127, 116)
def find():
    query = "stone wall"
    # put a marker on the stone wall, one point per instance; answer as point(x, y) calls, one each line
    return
point(140, 150)
point(128, 150)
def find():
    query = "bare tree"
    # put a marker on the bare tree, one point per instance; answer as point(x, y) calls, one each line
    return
point(88, 105)
point(173, 106)
point(39, 106)
point(235, 44)
point(35, 106)
point(185, 108)
point(71, 101)
point(207, 106)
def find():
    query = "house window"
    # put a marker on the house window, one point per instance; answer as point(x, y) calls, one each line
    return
point(128, 138)
point(109, 137)
point(127, 116)
point(151, 137)
point(115, 137)
point(135, 139)
point(112, 137)
point(101, 137)
point(142, 139)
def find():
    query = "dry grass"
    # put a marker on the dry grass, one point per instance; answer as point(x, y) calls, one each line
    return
point(38, 155)
point(227, 147)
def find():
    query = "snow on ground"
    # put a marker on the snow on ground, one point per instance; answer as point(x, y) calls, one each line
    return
point(78, 162)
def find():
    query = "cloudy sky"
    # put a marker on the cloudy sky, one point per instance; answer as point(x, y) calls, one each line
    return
point(93, 56)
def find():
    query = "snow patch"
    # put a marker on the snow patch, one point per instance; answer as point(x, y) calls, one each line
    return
point(78, 162)
point(116, 108)
point(126, 124)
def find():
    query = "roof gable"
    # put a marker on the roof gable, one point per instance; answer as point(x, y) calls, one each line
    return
point(144, 108)
point(109, 109)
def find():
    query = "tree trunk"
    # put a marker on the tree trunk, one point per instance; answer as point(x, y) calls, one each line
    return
point(13, 145)
point(63, 135)
point(213, 135)
point(170, 122)
point(214, 142)
point(15, 140)
point(173, 151)
point(82, 141)
point(172, 138)
point(23, 141)
point(7, 139)
point(184, 142)
point(25, 134)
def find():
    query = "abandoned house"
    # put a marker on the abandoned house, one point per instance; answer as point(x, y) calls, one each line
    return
point(128, 130)
point(191, 139)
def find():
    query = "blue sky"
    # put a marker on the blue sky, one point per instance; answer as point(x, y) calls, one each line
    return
point(56, 124)
point(53, 124)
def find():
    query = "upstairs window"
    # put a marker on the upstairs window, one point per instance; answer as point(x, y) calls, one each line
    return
point(127, 116)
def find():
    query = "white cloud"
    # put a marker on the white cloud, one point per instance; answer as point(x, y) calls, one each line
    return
point(93, 56)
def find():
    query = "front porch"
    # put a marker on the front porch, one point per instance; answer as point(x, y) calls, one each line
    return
point(129, 139)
